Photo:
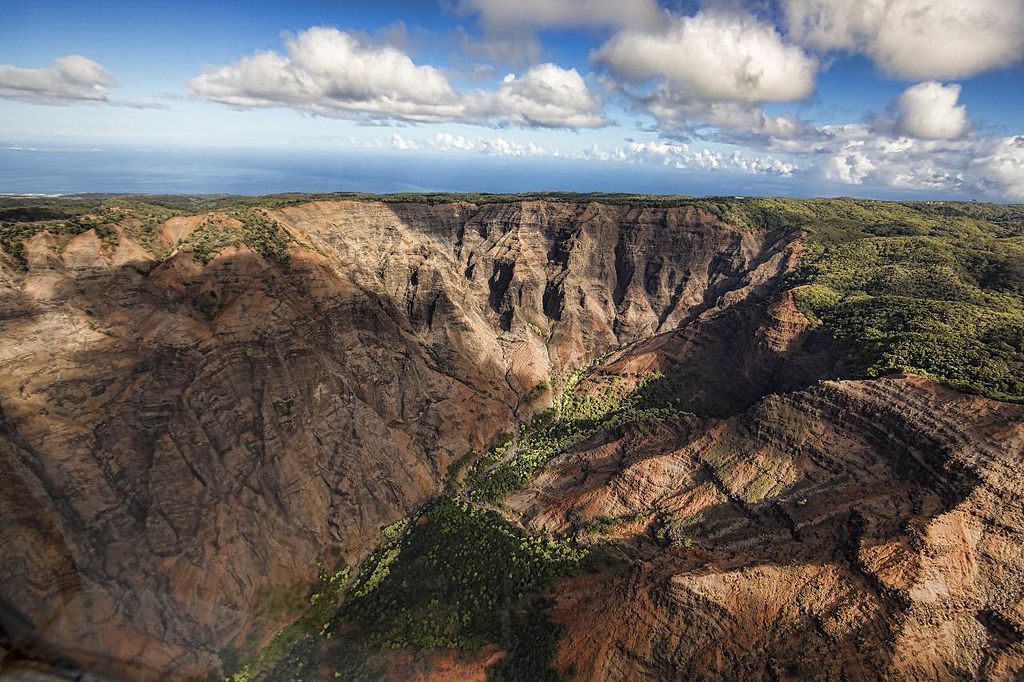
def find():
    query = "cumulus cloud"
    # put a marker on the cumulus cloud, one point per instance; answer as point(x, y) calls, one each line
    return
point(850, 166)
point(731, 121)
point(656, 152)
point(926, 146)
point(495, 146)
point(990, 166)
point(548, 95)
point(73, 78)
point(1001, 168)
point(332, 73)
point(915, 38)
point(329, 72)
point(714, 67)
point(501, 15)
point(681, 156)
point(929, 110)
point(401, 144)
point(714, 57)
point(448, 142)
point(499, 146)
point(900, 162)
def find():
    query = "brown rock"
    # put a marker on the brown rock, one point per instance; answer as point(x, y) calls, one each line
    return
point(181, 442)
point(855, 530)
point(178, 440)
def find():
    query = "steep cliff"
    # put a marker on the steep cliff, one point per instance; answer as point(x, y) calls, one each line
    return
point(617, 439)
point(193, 423)
point(855, 530)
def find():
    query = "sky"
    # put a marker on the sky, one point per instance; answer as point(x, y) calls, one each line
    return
point(907, 98)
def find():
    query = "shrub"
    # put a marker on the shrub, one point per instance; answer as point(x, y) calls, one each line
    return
point(448, 578)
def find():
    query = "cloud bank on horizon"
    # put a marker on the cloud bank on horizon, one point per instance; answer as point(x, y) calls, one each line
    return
point(730, 85)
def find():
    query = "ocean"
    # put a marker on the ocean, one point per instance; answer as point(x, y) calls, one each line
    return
point(41, 170)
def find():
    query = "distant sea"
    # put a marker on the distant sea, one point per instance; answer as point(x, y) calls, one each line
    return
point(41, 170)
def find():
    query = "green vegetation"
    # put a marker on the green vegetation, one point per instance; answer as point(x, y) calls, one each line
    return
point(13, 236)
point(140, 220)
point(536, 392)
point(452, 575)
point(447, 579)
point(935, 288)
point(258, 231)
point(606, 524)
point(453, 477)
point(530, 642)
point(292, 654)
point(676, 530)
point(23, 218)
point(576, 417)
point(937, 295)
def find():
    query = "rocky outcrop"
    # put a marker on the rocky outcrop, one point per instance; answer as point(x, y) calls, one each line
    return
point(187, 438)
point(854, 530)
point(182, 443)
point(553, 284)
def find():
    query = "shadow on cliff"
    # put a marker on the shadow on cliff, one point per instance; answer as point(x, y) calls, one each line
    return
point(651, 272)
point(756, 603)
point(722, 364)
point(209, 433)
point(812, 582)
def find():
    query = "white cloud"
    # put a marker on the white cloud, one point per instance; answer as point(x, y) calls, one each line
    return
point(929, 110)
point(67, 79)
point(496, 146)
point(682, 156)
point(1001, 168)
point(714, 67)
point(994, 167)
point(850, 166)
point(852, 154)
point(503, 15)
point(447, 142)
point(332, 73)
point(400, 143)
point(713, 57)
point(548, 95)
point(499, 146)
point(900, 162)
point(888, 155)
point(657, 152)
point(915, 38)
point(677, 112)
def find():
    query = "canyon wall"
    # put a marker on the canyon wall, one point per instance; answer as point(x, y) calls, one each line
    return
point(853, 530)
point(184, 444)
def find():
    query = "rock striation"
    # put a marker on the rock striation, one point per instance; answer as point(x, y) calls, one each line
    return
point(853, 530)
point(183, 443)
point(193, 426)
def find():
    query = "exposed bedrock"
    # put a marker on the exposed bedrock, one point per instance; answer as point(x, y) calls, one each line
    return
point(854, 530)
point(181, 444)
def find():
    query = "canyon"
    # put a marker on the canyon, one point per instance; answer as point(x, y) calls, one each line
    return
point(204, 413)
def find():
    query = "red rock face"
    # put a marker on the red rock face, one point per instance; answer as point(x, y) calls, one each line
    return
point(181, 444)
point(854, 530)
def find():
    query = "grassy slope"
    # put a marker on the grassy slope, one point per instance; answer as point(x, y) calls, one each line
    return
point(934, 289)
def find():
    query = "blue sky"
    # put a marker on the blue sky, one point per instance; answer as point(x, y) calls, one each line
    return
point(784, 96)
